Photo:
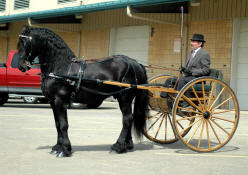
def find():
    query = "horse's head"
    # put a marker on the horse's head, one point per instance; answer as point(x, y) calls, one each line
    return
point(26, 49)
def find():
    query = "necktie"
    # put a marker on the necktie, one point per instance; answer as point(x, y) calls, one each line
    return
point(193, 54)
point(190, 58)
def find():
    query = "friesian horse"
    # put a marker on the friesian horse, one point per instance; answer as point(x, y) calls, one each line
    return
point(56, 58)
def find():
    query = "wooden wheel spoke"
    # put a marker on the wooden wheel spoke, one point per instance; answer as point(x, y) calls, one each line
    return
point(224, 111)
point(189, 126)
point(220, 127)
point(211, 93)
point(199, 141)
point(171, 126)
point(214, 131)
point(203, 94)
point(180, 125)
point(153, 116)
point(227, 100)
point(217, 98)
point(188, 118)
point(223, 119)
point(199, 101)
point(153, 123)
point(159, 128)
point(189, 110)
point(191, 102)
point(208, 134)
point(165, 134)
point(194, 132)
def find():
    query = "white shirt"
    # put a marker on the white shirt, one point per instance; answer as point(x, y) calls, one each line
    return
point(195, 51)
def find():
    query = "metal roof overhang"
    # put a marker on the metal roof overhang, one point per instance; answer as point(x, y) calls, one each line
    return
point(84, 9)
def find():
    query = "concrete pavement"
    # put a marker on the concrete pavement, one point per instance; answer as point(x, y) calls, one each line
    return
point(27, 133)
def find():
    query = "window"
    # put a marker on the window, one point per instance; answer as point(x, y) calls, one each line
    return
point(21, 4)
point(65, 1)
point(15, 61)
point(2, 5)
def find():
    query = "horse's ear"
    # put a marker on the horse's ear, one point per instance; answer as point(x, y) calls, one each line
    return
point(26, 29)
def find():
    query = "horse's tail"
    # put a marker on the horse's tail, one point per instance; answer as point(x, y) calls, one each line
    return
point(141, 108)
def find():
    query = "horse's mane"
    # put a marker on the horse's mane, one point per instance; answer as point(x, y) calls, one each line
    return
point(50, 36)
point(56, 51)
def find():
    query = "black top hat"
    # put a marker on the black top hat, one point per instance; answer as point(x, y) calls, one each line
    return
point(198, 37)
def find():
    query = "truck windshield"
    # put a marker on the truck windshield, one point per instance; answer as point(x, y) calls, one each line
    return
point(14, 63)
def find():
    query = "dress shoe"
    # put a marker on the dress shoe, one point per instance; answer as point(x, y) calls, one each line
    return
point(183, 104)
point(164, 95)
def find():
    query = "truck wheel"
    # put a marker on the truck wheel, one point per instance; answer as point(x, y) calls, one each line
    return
point(3, 98)
point(94, 106)
point(30, 99)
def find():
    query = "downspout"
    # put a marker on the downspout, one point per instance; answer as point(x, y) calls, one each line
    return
point(7, 48)
point(79, 44)
point(129, 14)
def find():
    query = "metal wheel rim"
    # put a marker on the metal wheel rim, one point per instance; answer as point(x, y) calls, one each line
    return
point(213, 131)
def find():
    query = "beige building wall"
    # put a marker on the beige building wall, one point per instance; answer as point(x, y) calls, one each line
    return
point(218, 10)
point(161, 50)
point(72, 40)
point(3, 47)
point(95, 43)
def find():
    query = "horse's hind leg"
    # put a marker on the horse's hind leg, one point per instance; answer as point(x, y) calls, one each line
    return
point(129, 140)
point(124, 141)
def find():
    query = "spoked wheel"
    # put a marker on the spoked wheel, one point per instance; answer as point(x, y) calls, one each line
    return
point(215, 110)
point(159, 124)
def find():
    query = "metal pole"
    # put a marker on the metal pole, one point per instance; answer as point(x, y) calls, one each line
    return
point(181, 36)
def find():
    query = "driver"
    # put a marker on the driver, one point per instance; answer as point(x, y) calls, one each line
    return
point(198, 64)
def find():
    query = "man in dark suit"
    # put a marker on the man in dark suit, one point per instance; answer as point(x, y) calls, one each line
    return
point(198, 64)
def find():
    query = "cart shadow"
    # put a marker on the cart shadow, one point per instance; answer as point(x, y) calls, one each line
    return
point(194, 142)
point(180, 148)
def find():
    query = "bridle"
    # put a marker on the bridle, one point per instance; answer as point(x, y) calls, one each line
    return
point(27, 62)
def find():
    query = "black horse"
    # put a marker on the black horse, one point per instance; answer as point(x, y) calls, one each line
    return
point(57, 58)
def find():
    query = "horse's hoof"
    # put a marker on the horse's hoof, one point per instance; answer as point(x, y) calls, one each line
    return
point(112, 151)
point(119, 148)
point(129, 145)
point(63, 154)
point(54, 152)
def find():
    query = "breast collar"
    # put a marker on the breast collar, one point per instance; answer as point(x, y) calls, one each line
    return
point(81, 71)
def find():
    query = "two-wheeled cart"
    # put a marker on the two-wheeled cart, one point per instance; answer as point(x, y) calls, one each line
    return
point(206, 124)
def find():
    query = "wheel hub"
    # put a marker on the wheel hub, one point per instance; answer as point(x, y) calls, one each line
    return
point(206, 115)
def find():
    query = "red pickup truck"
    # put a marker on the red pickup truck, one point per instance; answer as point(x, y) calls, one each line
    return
point(14, 82)
point(26, 85)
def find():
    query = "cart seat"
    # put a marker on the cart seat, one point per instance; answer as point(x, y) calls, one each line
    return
point(213, 73)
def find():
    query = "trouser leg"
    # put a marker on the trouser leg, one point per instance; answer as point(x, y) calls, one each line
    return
point(170, 82)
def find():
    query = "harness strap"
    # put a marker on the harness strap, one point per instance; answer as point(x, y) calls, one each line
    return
point(80, 74)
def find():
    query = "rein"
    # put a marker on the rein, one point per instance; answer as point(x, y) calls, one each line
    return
point(150, 66)
point(160, 67)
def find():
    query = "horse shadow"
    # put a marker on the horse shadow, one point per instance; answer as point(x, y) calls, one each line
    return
point(178, 147)
point(102, 147)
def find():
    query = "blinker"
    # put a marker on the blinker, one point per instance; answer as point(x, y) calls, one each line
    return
point(24, 36)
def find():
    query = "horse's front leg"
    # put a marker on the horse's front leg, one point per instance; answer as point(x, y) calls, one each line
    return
point(64, 145)
point(58, 147)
